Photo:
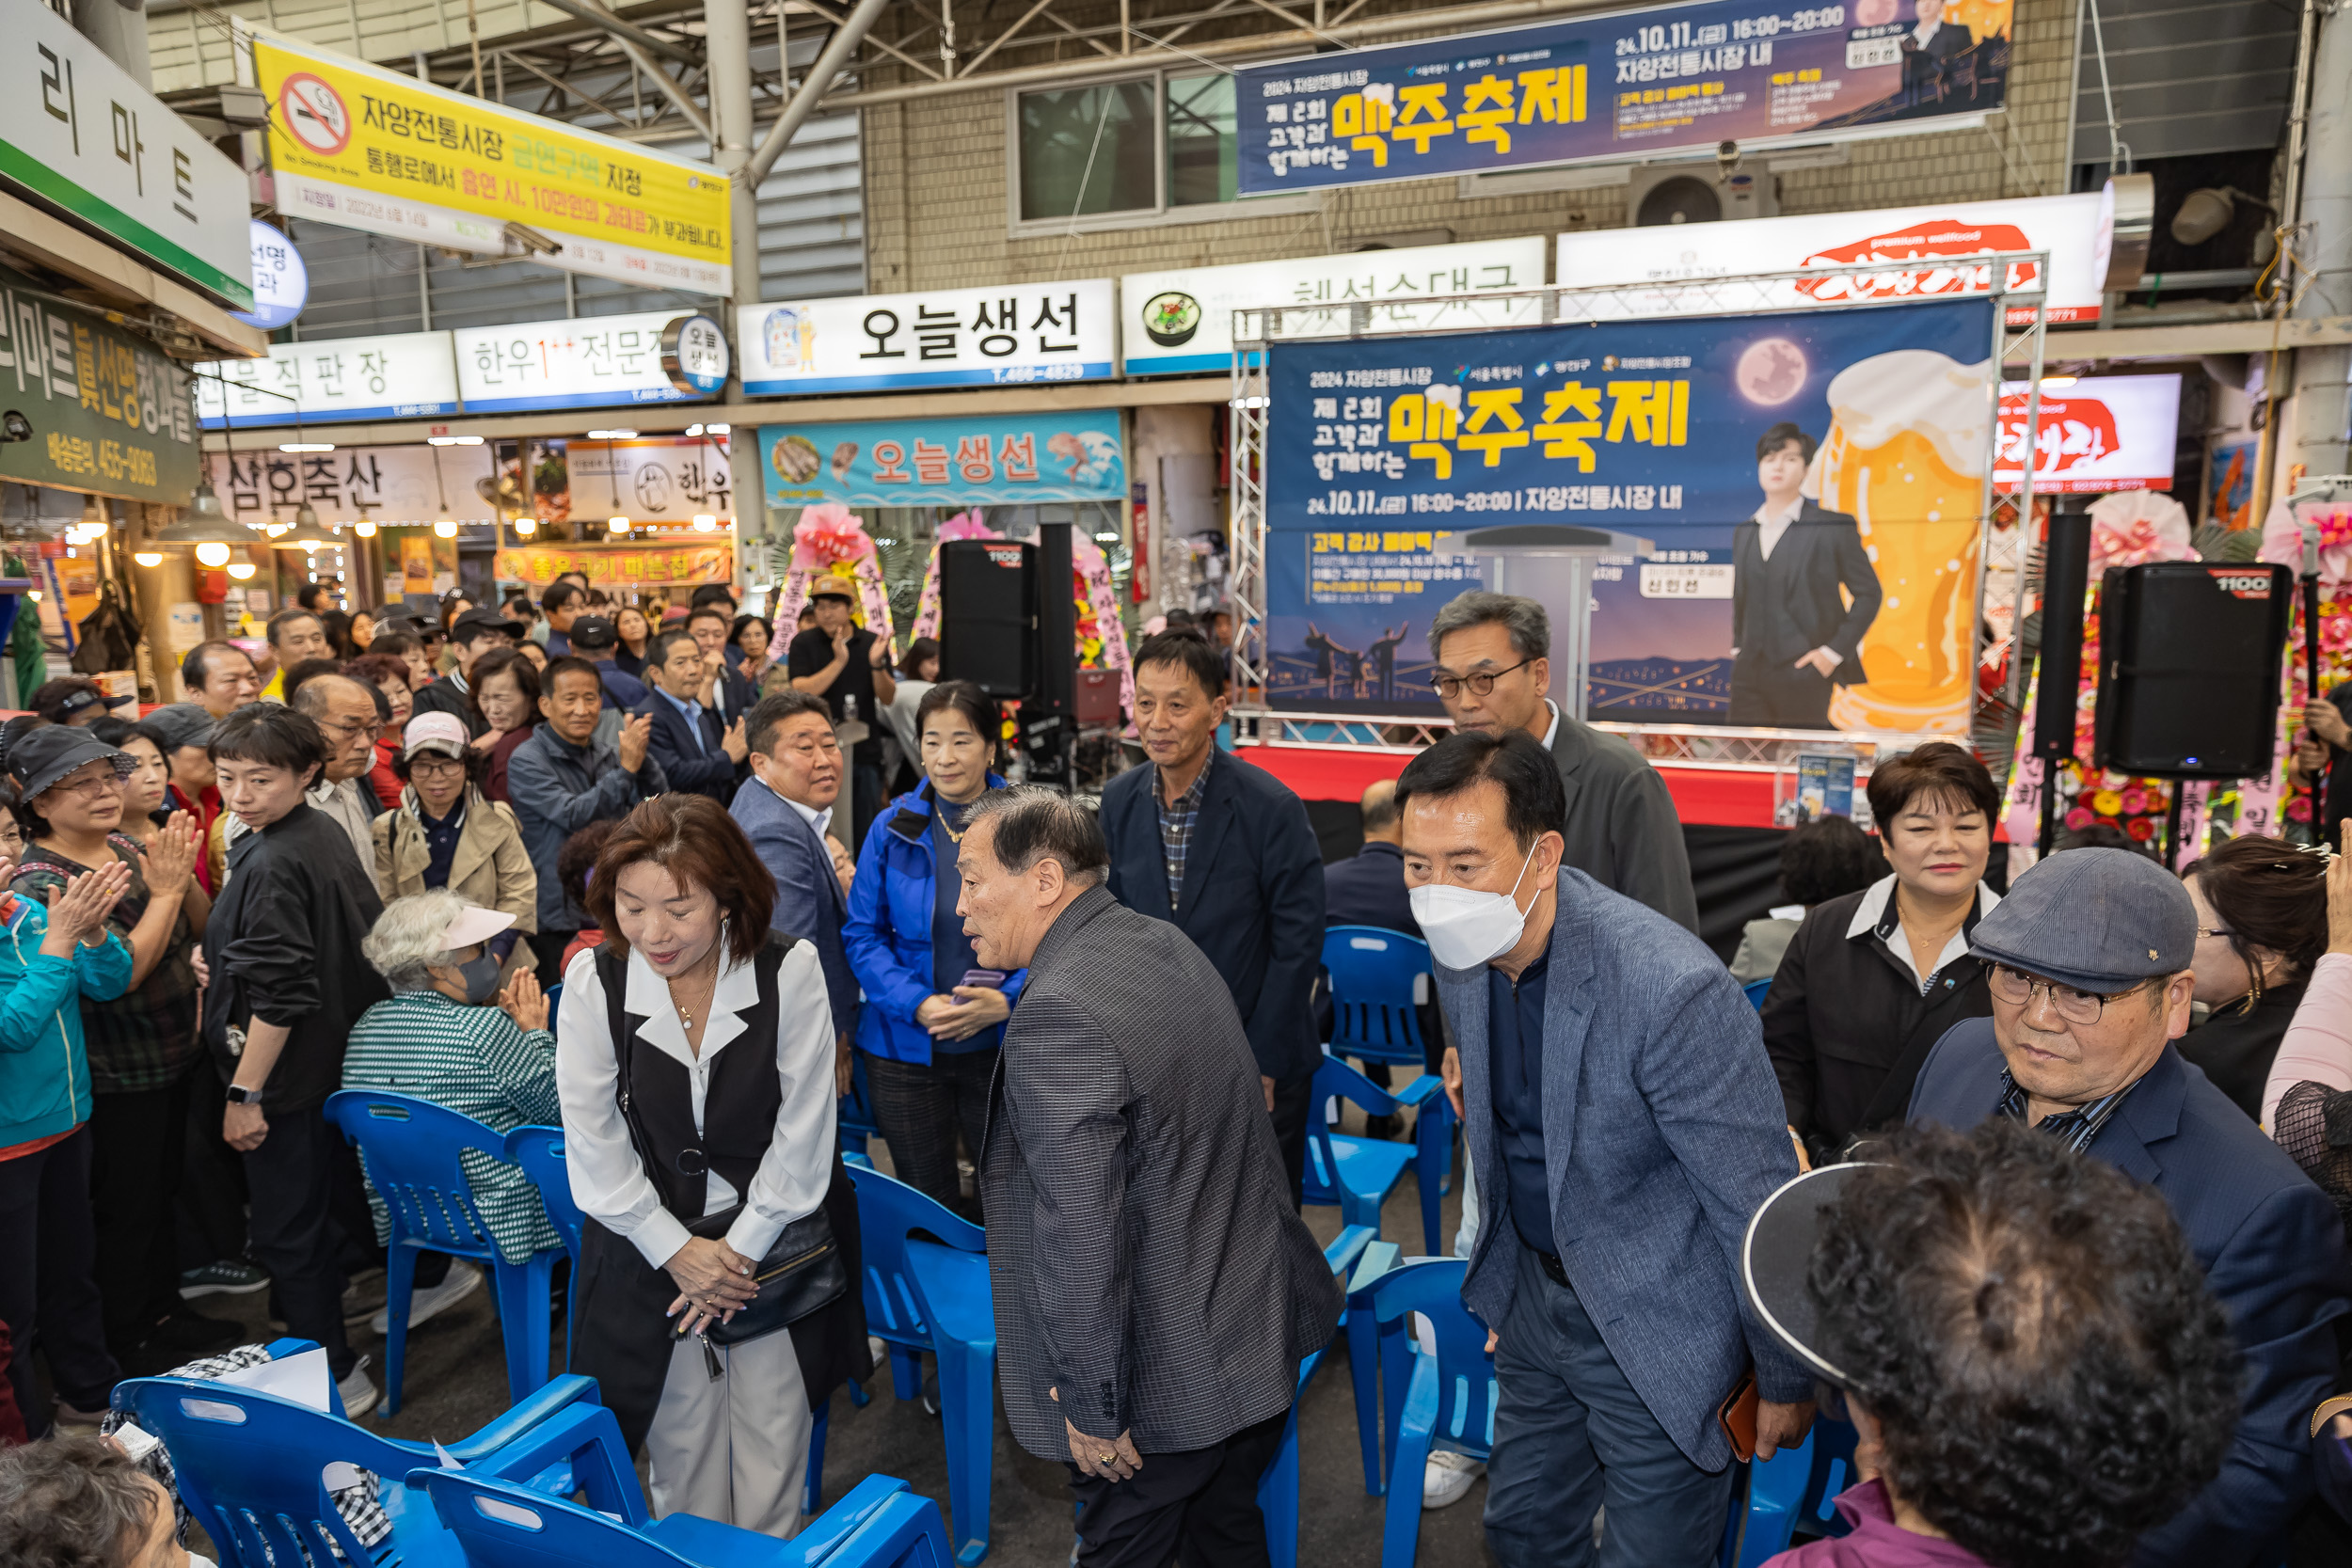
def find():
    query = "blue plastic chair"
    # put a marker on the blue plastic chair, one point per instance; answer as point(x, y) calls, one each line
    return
point(857, 1122)
point(413, 1150)
point(879, 1524)
point(1796, 1489)
point(539, 1150)
point(1277, 1489)
point(1756, 991)
point(1357, 1173)
point(933, 1294)
point(1452, 1394)
point(555, 999)
point(1363, 1358)
point(1373, 974)
point(250, 1466)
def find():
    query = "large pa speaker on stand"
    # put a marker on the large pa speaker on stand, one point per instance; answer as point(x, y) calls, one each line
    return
point(2189, 672)
point(1049, 728)
point(987, 615)
point(2066, 577)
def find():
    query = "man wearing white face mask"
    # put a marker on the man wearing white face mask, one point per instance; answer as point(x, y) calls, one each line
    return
point(1623, 1123)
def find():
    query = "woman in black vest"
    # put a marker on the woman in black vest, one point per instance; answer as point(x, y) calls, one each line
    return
point(1873, 980)
point(718, 1305)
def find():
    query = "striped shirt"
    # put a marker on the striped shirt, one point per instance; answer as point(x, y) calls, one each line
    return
point(476, 1062)
point(2075, 1128)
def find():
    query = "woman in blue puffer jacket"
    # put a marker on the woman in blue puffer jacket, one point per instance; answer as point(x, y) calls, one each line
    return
point(49, 959)
point(933, 1018)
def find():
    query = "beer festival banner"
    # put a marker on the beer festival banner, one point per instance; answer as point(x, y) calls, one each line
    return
point(1638, 84)
point(364, 148)
point(1382, 452)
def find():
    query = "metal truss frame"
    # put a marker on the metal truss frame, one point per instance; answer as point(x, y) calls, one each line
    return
point(1723, 747)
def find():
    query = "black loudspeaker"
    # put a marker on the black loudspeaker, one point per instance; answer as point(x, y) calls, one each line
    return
point(2188, 668)
point(987, 618)
point(2066, 574)
point(1049, 712)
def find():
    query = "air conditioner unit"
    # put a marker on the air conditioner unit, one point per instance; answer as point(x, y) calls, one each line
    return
point(1661, 194)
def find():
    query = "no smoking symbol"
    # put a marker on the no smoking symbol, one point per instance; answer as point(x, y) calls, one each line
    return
point(315, 114)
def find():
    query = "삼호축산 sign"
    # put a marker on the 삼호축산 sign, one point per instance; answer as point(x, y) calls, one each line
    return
point(1628, 85)
point(1011, 460)
point(1383, 453)
point(369, 149)
point(109, 413)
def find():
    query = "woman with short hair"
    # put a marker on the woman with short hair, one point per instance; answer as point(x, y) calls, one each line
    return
point(505, 694)
point(82, 1502)
point(2262, 924)
point(630, 626)
point(1871, 980)
point(696, 1062)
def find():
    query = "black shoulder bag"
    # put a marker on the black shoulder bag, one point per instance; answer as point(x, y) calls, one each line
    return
point(802, 1271)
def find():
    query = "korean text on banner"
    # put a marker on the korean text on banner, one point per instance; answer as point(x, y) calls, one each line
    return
point(1382, 452)
point(369, 149)
point(1015, 334)
point(626, 565)
point(1925, 251)
point(405, 375)
point(109, 414)
point(1017, 460)
point(1634, 84)
point(391, 486)
point(590, 362)
point(1181, 322)
point(79, 133)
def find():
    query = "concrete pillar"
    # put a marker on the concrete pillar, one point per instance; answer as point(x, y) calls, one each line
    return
point(2316, 424)
point(728, 34)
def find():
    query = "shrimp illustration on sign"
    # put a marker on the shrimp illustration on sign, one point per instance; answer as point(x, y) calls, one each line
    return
point(1092, 456)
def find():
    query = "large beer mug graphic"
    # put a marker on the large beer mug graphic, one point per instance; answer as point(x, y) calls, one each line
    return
point(1905, 457)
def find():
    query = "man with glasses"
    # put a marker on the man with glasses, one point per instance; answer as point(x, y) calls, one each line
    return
point(1492, 665)
point(2089, 959)
point(786, 809)
point(344, 711)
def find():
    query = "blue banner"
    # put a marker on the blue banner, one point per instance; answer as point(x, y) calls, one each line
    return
point(1009, 461)
point(1382, 452)
point(1637, 83)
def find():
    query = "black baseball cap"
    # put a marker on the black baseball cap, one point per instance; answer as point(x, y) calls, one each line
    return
point(594, 631)
point(482, 619)
point(38, 760)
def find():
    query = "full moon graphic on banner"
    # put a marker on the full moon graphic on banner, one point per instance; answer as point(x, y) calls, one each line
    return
point(1381, 453)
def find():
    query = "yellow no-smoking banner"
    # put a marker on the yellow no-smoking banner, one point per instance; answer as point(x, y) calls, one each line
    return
point(354, 145)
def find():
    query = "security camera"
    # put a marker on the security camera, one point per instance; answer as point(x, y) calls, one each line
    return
point(530, 239)
point(243, 108)
point(1726, 159)
point(15, 427)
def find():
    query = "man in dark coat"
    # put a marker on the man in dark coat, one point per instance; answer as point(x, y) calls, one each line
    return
point(1154, 1291)
point(1794, 637)
point(1928, 49)
point(1224, 851)
point(2090, 982)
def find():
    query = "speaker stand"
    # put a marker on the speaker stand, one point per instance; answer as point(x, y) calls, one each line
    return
point(2172, 827)
point(2049, 809)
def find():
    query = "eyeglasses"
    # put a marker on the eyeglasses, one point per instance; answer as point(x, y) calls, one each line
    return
point(435, 766)
point(1449, 687)
point(2017, 987)
point(94, 788)
point(2214, 931)
point(349, 727)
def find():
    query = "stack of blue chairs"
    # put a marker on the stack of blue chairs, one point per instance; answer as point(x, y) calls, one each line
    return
point(1358, 1174)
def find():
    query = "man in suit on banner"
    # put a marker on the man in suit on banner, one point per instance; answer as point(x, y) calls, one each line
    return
point(1155, 1292)
point(1803, 592)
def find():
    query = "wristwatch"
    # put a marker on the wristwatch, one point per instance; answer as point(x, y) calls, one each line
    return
point(237, 1094)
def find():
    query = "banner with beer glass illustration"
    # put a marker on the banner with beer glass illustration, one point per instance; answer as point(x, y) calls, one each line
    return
point(1812, 483)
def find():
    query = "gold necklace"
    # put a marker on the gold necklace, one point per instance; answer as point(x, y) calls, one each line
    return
point(686, 1014)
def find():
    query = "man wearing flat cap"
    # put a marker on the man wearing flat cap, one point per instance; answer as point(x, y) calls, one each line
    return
point(2089, 960)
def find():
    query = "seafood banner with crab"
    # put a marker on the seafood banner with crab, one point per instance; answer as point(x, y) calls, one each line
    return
point(1871, 425)
point(1014, 460)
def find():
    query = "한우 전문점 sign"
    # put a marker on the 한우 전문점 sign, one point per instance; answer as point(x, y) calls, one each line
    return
point(1182, 322)
point(1910, 253)
point(400, 376)
point(586, 362)
point(369, 149)
point(81, 135)
point(1632, 84)
point(1015, 335)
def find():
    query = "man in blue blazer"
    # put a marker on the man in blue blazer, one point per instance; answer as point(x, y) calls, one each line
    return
point(1623, 1124)
point(726, 691)
point(700, 752)
point(1224, 851)
point(785, 808)
point(2091, 983)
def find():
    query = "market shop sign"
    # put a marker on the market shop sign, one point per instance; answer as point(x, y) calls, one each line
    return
point(1018, 334)
point(83, 137)
point(1181, 323)
point(983, 461)
point(109, 414)
point(1923, 251)
point(368, 149)
point(388, 486)
point(587, 363)
point(403, 376)
point(631, 565)
point(282, 279)
point(2096, 435)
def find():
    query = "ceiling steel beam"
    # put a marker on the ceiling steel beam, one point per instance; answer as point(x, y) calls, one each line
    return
point(596, 16)
point(830, 60)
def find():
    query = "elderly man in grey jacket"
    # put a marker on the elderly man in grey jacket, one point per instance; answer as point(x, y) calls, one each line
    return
point(1155, 1292)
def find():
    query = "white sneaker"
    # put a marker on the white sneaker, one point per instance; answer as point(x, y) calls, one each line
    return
point(1448, 1476)
point(357, 1390)
point(463, 1280)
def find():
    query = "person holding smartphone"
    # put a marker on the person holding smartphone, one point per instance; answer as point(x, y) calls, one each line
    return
point(933, 1018)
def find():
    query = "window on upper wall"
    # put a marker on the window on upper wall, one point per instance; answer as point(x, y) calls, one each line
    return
point(1133, 152)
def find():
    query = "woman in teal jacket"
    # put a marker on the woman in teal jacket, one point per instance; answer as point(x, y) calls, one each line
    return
point(49, 959)
point(929, 1040)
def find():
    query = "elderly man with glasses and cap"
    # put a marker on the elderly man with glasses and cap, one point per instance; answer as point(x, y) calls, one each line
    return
point(2091, 983)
